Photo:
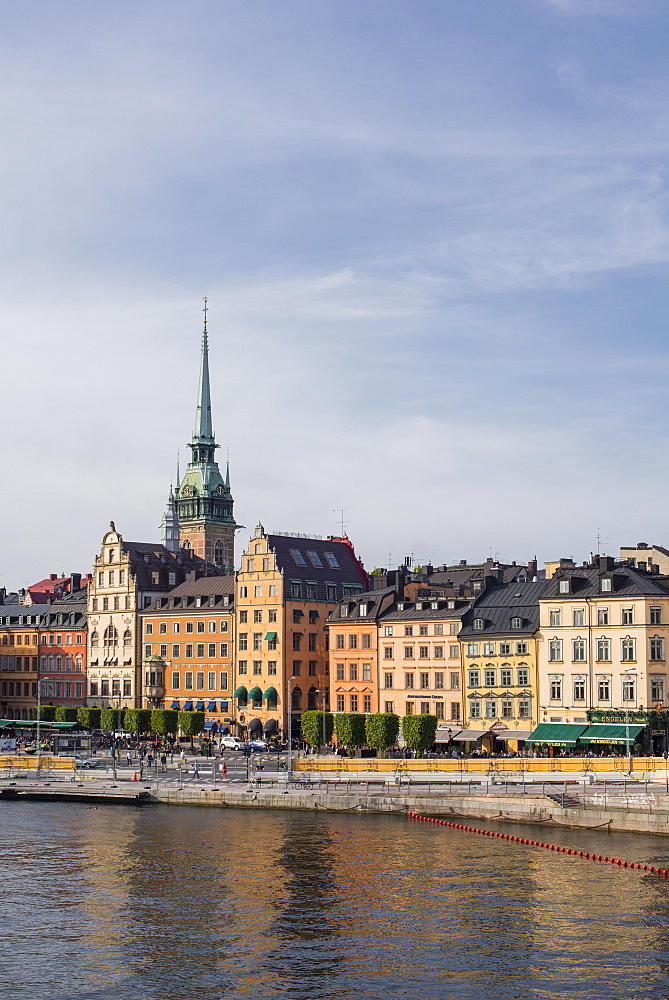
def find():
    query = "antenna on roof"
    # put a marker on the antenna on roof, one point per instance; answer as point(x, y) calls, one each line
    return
point(341, 510)
point(205, 313)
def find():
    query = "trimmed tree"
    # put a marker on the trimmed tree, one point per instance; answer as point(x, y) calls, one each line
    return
point(312, 727)
point(191, 724)
point(381, 730)
point(89, 718)
point(111, 719)
point(47, 713)
point(419, 732)
point(350, 729)
point(67, 714)
point(137, 720)
point(164, 721)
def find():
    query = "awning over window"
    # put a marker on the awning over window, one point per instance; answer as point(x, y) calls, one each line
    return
point(199, 707)
point(270, 693)
point(270, 637)
point(558, 734)
point(209, 723)
point(211, 706)
point(513, 734)
point(271, 727)
point(255, 693)
point(611, 734)
point(175, 706)
point(470, 735)
point(444, 733)
point(241, 692)
point(188, 707)
point(224, 706)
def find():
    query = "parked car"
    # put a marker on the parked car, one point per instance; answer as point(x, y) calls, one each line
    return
point(231, 743)
point(258, 746)
point(86, 762)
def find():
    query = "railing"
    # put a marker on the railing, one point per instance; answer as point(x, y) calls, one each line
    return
point(482, 765)
point(11, 765)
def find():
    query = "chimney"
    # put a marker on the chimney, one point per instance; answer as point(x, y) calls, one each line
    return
point(606, 564)
point(53, 576)
point(75, 581)
point(532, 568)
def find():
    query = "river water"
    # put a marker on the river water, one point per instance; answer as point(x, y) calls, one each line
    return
point(165, 902)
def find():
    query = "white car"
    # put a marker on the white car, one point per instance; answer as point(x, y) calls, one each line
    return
point(231, 743)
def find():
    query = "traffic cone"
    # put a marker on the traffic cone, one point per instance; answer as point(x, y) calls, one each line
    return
point(135, 776)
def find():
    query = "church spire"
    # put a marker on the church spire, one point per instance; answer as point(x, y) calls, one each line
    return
point(203, 432)
point(170, 525)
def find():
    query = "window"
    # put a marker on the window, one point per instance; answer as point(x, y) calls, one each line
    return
point(579, 617)
point(490, 677)
point(297, 641)
point(474, 678)
point(454, 628)
point(628, 616)
point(388, 706)
point(298, 558)
point(271, 668)
point(257, 667)
point(578, 651)
point(455, 681)
point(257, 590)
point(340, 642)
point(223, 650)
point(423, 652)
point(656, 616)
point(211, 680)
point(257, 640)
point(163, 650)
point(438, 652)
point(556, 689)
point(524, 709)
point(656, 651)
point(408, 629)
point(272, 590)
point(657, 689)
point(367, 703)
point(297, 668)
point(628, 650)
point(439, 680)
point(243, 640)
point(241, 667)
point(488, 648)
point(563, 586)
point(257, 618)
point(366, 641)
point(555, 618)
point(603, 650)
point(491, 709)
point(408, 708)
point(516, 622)
point(478, 624)
point(506, 677)
point(424, 681)
point(387, 652)
point(104, 688)
point(475, 709)
point(352, 642)
point(366, 671)
point(629, 688)
point(555, 650)
point(243, 591)
point(340, 702)
point(176, 681)
point(189, 650)
point(200, 649)
point(353, 671)
point(271, 615)
point(422, 629)
point(408, 681)
point(507, 709)
point(579, 689)
point(176, 628)
point(505, 649)
point(147, 650)
point(408, 652)
point(340, 671)
point(388, 630)
point(296, 589)
point(211, 650)
point(472, 649)
point(189, 680)
point(424, 708)
point(331, 560)
point(189, 625)
point(149, 628)
point(438, 629)
point(602, 616)
point(354, 703)
point(162, 628)
point(606, 584)
point(453, 652)
point(604, 689)
point(521, 649)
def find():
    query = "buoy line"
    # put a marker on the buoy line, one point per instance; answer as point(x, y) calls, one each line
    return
point(662, 872)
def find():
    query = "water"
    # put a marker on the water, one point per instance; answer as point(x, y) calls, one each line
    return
point(161, 903)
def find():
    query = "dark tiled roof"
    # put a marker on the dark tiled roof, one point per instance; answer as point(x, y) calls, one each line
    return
point(348, 569)
point(500, 604)
point(412, 613)
point(72, 609)
point(377, 601)
point(32, 614)
point(186, 594)
point(147, 558)
point(462, 575)
point(627, 582)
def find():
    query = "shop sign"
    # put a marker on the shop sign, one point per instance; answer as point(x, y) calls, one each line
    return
point(618, 717)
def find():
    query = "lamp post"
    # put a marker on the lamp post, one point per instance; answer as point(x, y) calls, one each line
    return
point(39, 712)
point(628, 673)
point(289, 689)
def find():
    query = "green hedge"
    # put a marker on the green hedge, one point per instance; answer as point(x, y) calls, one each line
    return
point(419, 732)
point(350, 729)
point(137, 720)
point(164, 721)
point(312, 727)
point(89, 718)
point(381, 730)
point(191, 723)
point(111, 720)
point(47, 713)
point(67, 714)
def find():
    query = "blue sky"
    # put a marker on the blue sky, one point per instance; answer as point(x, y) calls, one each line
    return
point(434, 239)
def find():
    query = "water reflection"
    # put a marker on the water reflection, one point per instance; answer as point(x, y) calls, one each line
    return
point(160, 903)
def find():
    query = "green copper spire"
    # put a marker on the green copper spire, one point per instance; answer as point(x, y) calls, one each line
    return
point(203, 433)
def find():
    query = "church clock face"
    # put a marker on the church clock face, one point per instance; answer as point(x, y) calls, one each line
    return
point(187, 491)
point(220, 490)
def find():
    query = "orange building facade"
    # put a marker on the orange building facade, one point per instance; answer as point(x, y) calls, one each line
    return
point(19, 651)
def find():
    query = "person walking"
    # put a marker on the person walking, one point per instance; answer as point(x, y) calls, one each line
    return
point(224, 769)
point(163, 761)
point(196, 770)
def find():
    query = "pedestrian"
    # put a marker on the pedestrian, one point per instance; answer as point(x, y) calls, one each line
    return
point(196, 770)
point(183, 756)
point(163, 761)
point(224, 769)
point(128, 757)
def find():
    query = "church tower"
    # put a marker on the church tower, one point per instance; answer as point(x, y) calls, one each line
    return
point(203, 498)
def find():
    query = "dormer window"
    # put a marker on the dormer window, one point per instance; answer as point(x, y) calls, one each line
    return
point(564, 586)
point(478, 624)
point(516, 622)
point(363, 610)
point(435, 605)
point(400, 605)
point(606, 584)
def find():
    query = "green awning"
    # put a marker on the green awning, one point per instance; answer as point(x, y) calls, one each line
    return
point(241, 692)
point(270, 693)
point(255, 693)
point(558, 734)
point(611, 733)
point(270, 637)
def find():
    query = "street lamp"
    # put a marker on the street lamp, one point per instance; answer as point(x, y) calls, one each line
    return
point(290, 726)
point(627, 674)
point(39, 712)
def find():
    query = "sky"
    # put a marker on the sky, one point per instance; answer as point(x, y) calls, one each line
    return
point(434, 238)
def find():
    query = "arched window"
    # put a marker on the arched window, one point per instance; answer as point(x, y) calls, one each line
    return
point(218, 552)
point(186, 545)
point(42, 662)
point(111, 636)
point(25, 714)
point(51, 662)
point(59, 662)
point(127, 638)
point(94, 638)
point(297, 699)
point(311, 698)
point(77, 662)
point(68, 662)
